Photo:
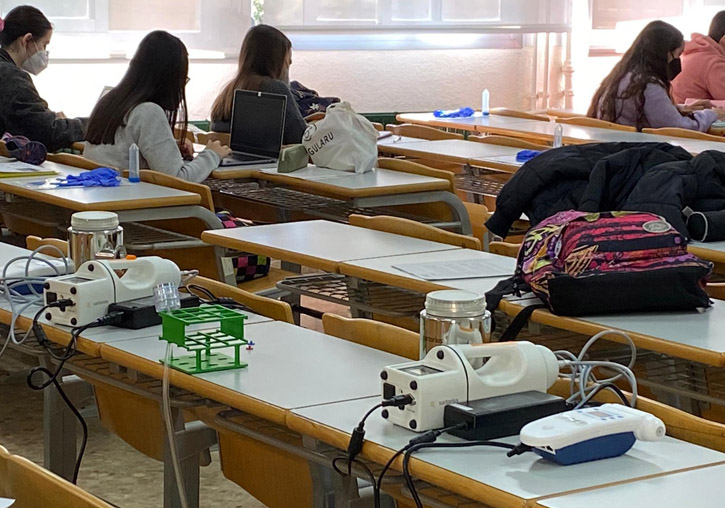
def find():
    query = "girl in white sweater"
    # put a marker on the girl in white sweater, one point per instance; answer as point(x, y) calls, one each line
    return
point(143, 109)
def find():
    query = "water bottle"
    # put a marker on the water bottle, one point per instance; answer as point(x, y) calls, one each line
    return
point(558, 135)
point(485, 99)
point(133, 164)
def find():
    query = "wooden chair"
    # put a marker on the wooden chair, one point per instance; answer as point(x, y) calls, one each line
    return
point(77, 161)
point(684, 133)
point(716, 290)
point(378, 126)
point(204, 138)
point(374, 334)
point(507, 141)
point(518, 114)
point(3, 150)
point(504, 249)
point(421, 131)
point(31, 486)
point(561, 113)
point(478, 215)
point(585, 121)
point(407, 227)
point(315, 117)
point(679, 424)
point(33, 242)
point(78, 146)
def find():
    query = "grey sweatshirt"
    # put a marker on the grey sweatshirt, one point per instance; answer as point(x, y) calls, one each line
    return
point(294, 123)
point(659, 110)
point(148, 127)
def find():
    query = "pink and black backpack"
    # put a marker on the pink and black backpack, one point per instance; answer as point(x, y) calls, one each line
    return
point(581, 263)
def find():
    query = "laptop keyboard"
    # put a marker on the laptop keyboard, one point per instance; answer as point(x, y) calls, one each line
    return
point(246, 157)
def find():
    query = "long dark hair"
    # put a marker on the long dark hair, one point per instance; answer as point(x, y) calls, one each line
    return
point(646, 60)
point(22, 20)
point(263, 56)
point(157, 73)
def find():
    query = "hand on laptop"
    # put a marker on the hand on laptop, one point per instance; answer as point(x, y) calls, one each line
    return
point(187, 150)
point(219, 149)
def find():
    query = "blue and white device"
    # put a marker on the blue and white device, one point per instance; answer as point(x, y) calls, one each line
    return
point(592, 433)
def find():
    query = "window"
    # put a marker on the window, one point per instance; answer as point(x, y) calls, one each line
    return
point(102, 29)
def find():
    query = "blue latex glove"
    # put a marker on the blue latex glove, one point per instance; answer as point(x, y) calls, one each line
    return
point(526, 155)
point(100, 177)
point(453, 113)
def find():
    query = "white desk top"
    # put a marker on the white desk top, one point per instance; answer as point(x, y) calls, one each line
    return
point(468, 123)
point(398, 140)
point(9, 252)
point(699, 488)
point(526, 476)
point(291, 367)
point(126, 196)
point(457, 148)
point(322, 243)
point(382, 266)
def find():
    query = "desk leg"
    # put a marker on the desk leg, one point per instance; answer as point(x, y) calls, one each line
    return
point(460, 214)
point(59, 426)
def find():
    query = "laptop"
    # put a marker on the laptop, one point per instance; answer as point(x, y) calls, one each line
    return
point(257, 128)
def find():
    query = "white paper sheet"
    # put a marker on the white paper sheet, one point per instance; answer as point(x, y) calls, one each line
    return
point(464, 269)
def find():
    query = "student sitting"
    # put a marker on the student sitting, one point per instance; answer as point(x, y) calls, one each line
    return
point(264, 63)
point(143, 108)
point(703, 65)
point(637, 91)
point(24, 36)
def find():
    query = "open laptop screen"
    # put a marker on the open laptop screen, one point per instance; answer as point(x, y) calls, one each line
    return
point(257, 123)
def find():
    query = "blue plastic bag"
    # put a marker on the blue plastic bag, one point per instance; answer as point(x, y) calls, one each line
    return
point(526, 155)
point(453, 113)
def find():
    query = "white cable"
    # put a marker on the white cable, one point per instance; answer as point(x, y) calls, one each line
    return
point(582, 370)
point(171, 435)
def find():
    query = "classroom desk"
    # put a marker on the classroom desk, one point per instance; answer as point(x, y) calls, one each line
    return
point(456, 151)
point(395, 140)
point(539, 131)
point(472, 123)
point(486, 474)
point(383, 271)
point(289, 367)
point(319, 244)
point(699, 488)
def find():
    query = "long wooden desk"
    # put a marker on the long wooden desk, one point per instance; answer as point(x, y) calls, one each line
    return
point(486, 474)
point(539, 131)
point(697, 488)
point(455, 151)
point(318, 243)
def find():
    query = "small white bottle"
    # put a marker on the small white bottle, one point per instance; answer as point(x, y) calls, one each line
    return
point(133, 164)
point(485, 99)
point(558, 135)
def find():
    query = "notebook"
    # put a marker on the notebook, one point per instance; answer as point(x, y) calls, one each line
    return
point(21, 169)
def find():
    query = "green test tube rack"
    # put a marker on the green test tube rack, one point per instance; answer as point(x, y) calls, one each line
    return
point(202, 344)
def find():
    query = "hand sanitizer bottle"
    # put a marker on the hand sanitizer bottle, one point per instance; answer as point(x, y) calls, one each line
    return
point(485, 99)
point(558, 134)
point(133, 164)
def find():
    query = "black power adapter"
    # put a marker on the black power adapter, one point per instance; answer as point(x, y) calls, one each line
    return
point(501, 416)
point(141, 312)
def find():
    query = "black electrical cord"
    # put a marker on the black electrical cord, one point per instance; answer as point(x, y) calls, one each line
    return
point(212, 299)
point(415, 448)
point(614, 388)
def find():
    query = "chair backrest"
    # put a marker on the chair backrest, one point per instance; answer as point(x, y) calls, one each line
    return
point(684, 133)
point(378, 126)
point(150, 176)
point(422, 132)
point(504, 249)
point(716, 290)
point(518, 114)
point(189, 135)
point(78, 146)
point(407, 166)
point(374, 334)
point(679, 424)
point(205, 137)
point(77, 161)
point(275, 309)
point(478, 214)
point(32, 486)
point(407, 227)
point(561, 113)
point(3, 149)
point(507, 141)
point(33, 242)
point(585, 121)
point(314, 117)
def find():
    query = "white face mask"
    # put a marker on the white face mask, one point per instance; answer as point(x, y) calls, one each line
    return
point(36, 63)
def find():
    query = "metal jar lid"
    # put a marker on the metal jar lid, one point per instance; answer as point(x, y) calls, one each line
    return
point(453, 303)
point(94, 221)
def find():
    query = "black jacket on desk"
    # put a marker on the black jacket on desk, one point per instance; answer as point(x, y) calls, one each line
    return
point(24, 113)
point(649, 177)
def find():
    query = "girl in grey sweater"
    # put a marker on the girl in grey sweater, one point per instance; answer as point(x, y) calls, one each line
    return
point(143, 108)
point(637, 91)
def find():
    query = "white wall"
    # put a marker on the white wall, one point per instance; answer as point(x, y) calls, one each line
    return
point(373, 81)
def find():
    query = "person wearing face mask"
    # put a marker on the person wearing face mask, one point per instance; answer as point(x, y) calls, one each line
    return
point(637, 91)
point(24, 35)
point(703, 65)
point(264, 63)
